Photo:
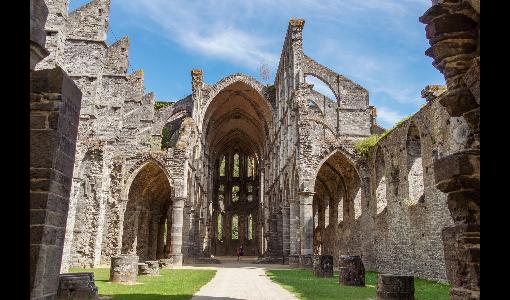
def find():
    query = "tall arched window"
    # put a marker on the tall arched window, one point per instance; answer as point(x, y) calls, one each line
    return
point(235, 169)
point(235, 193)
point(222, 166)
point(340, 203)
point(251, 166)
point(250, 227)
point(235, 227)
point(414, 166)
point(220, 226)
point(380, 180)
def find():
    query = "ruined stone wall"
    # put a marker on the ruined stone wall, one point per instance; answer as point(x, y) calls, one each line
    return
point(317, 195)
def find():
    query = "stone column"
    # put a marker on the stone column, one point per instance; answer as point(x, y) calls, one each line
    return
point(177, 224)
point(168, 250)
point(306, 210)
point(55, 103)
point(453, 30)
point(124, 269)
point(161, 239)
point(286, 231)
point(294, 235)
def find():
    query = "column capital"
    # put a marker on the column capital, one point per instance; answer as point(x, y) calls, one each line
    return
point(306, 193)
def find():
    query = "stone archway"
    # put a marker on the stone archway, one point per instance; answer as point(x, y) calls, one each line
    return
point(336, 203)
point(235, 134)
point(148, 214)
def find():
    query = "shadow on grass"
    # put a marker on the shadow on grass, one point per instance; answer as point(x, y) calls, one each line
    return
point(160, 297)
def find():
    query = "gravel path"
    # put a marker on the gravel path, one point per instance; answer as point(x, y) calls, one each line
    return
point(241, 281)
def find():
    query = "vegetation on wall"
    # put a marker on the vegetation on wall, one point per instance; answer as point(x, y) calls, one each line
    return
point(161, 104)
point(362, 147)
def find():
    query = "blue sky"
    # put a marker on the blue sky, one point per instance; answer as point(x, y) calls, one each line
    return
point(379, 44)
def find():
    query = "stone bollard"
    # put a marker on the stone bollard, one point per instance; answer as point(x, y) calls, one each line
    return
point(352, 271)
point(294, 261)
point(305, 261)
point(391, 287)
point(79, 286)
point(323, 265)
point(150, 267)
point(166, 263)
point(124, 269)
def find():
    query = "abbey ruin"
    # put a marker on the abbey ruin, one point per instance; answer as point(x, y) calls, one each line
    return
point(274, 167)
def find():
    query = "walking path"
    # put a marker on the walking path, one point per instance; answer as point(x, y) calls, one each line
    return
point(241, 281)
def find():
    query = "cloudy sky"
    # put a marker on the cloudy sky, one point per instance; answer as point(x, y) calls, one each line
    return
point(377, 43)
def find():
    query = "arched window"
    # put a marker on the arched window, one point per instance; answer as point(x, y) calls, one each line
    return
point(250, 227)
point(222, 166)
point(414, 166)
point(235, 227)
point(235, 171)
point(320, 86)
point(357, 204)
point(340, 203)
point(220, 227)
point(380, 180)
point(326, 212)
point(251, 166)
point(235, 193)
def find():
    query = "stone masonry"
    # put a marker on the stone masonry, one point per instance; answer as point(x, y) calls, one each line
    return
point(272, 167)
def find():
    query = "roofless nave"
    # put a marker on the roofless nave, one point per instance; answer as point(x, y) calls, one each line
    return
point(272, 167)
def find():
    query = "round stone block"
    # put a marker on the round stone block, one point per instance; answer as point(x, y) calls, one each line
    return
point(391, 286)
point(150, 267)
point(124, 269)
point(323, 265)
point(79, 286)
point(352, 270)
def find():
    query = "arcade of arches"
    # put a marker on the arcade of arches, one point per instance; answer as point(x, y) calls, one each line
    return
point(272, 167)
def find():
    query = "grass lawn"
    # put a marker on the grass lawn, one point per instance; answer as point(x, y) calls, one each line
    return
point(172, 284)
point(305, 285)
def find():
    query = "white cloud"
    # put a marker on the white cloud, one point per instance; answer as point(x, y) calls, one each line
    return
point(388, 117)
point(205, 28)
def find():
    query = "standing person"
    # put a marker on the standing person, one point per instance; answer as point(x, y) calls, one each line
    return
point(240, 252)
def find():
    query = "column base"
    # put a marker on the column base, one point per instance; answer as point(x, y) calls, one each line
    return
point(305, 261)
point(170, 262)
point(294, 261)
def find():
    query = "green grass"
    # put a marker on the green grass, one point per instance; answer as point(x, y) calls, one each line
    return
point(305, 285)
point(177, 284)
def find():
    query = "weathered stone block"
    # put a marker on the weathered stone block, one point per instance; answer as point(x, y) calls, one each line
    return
point(305, 261)
point(77, 286)
point(294, 261)
point(392, 287)
point(323, 265)
point(124, 269)
point(352, 270)
point(150, 267)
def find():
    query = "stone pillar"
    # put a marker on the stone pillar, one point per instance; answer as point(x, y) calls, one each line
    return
point(38, 15)
point(305, 202)
point(390, 287)
point(153, 236)
point(294, 235)
point(352, 271)
point(124, 269)
point(55, 103)
point(168, 250)
point(161, 240)
point(177, 223)
point(79, 286)
point(286, 232)
point(150, 267)
point(323, 265)
point(453, 30)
